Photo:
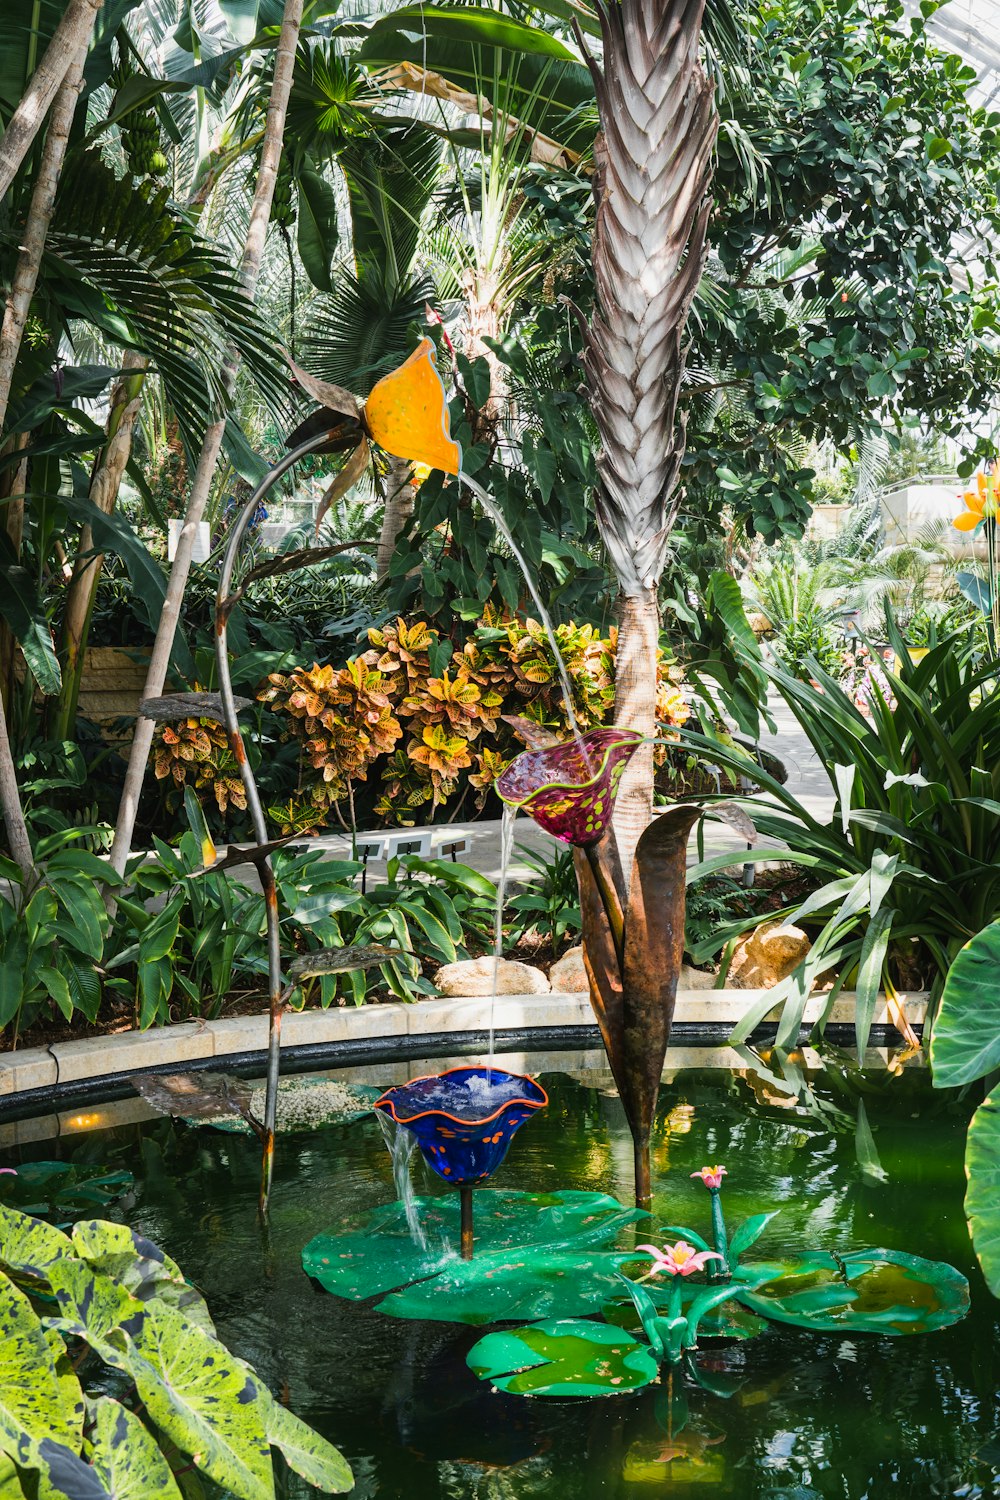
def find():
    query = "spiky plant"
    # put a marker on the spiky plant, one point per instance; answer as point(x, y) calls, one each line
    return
point(653, 160)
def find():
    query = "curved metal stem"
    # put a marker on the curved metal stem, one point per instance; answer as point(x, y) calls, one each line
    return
point(254, 806)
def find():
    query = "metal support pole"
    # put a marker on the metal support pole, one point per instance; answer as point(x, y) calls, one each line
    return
point(465, 1198)
point(238, 747)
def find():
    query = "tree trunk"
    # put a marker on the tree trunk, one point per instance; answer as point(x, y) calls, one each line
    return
point(43, 198)
point(260, 214)
point(400, 496)
point(483, 322)
point(635, 708)
point(10, 803)
point(71, 37)
point(105, 483)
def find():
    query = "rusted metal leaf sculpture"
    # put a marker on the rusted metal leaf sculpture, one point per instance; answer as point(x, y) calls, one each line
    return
point(175, 706)
point(633, 938)
point(198, 1096)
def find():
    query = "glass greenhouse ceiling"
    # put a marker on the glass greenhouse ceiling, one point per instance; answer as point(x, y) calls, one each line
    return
point(972, 29)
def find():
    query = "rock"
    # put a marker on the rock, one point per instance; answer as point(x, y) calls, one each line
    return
point(767, 956)
point(474, 976)
point(568, 976)
point(695, 979)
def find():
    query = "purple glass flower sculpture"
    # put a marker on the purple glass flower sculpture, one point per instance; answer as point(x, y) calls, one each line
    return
point(464, 1121)
point(569, 789)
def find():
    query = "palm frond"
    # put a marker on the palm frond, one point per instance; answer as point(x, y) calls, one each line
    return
point(119, 254)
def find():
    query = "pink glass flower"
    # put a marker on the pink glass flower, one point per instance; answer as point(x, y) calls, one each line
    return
point(8, 1171)
point(681, 1259)
point(711, 1176)
point(569, 789)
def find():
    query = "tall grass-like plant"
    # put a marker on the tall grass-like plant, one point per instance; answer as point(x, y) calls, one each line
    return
point(907, 869)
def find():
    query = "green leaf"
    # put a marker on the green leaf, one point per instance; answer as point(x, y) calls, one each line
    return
point(28, 1247)
point(33, 1408)
point(377, 1253)
point(24, 612)
point(564, 1359)
point(204, 1400)
point(140, 1267)
point(113, 533)
point(317, 231)
point(305, 1451)
point(982, 1200)
point(749, 1232)
point(965, 1044)
point(125, 1456)
point(873, 951)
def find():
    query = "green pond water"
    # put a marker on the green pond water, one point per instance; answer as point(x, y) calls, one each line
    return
point(845, 1418)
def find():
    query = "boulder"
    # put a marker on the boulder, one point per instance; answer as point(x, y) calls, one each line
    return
point(474, 976)
point(568, 976)
point(767, 956)
point(695, 979)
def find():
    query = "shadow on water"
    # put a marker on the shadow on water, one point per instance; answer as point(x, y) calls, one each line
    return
point(808, 1415)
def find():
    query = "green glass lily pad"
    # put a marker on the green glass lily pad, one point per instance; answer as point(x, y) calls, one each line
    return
point(571, 1358)
point(864, 1291)
point(512, 1286)
point(554, 1269)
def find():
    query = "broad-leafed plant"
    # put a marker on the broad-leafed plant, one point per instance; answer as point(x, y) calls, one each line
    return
point(103, 1303)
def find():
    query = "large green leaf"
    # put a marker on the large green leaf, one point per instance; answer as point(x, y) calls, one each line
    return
point(139, 1266)
point(521, 69)
point(982, 1201)
point(204, 1400)
point(28, 1247)
point(864, 1291)
point(572, 1358)
point(317, 231)
point(534, 1257)
point(125, 1456)
point(95, 1309)
point(965, 1044)
point(113, 533)
point(33, 1406)
point(304, 1450)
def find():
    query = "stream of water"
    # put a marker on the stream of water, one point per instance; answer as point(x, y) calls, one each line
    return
point(401, 1144)
point(506, 851)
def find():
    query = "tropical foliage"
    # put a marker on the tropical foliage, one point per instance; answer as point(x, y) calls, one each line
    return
point(105, 1307)
point(906, 870)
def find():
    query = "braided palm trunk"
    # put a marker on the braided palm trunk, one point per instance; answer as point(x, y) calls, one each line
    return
point(652, 178)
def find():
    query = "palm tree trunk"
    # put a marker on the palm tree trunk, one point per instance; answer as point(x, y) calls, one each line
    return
point(105, 483)
point(70, 38)
point(36, 228)
point(635, 706)
point(253, 251)
point(400, 496)
point(652, 182)
point(483, 322)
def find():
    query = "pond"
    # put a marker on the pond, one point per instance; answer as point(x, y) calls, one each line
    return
point(845, 1418)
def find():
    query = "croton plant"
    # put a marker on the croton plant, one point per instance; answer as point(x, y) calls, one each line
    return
point(423, 717)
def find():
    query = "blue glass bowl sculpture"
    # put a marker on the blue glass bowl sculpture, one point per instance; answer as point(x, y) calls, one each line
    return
point(464, 1119)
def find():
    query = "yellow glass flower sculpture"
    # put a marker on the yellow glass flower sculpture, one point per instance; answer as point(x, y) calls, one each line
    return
point(980, 503)
point(407, 413)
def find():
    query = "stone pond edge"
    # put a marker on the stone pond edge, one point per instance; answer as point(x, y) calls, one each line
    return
point(195, 1041)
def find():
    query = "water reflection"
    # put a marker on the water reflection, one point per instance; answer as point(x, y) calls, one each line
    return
point(787, 1416)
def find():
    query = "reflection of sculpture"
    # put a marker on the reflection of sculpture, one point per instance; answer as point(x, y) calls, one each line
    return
point(464, 1121)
